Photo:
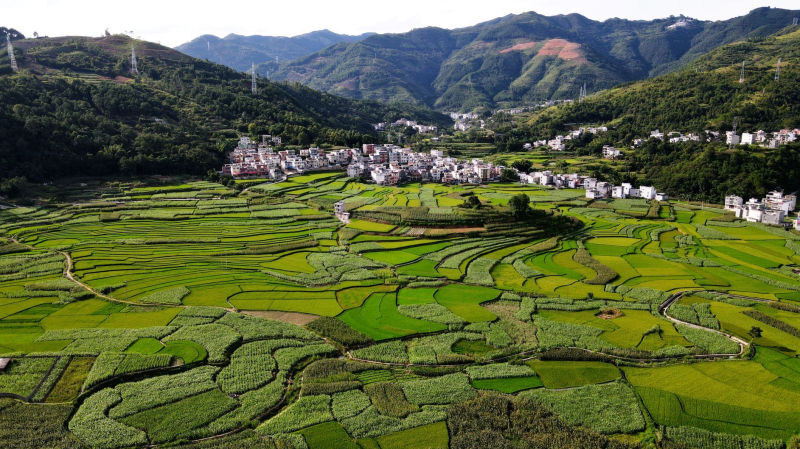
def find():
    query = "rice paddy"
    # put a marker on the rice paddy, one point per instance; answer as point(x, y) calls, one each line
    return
point(145, 303)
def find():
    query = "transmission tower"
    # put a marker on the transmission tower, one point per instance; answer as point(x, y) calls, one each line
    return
point(735, 127)
point(741, 77)
point(778, 71)
point(794, 22)
point(134, 66)
point(11, 57)
point(253, 85)
point(583, 93)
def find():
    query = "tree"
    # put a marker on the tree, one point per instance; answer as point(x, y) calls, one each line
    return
point(755, 332)
point(523, 165)
point(509, 175)
point(520, 205)
point(471, 202)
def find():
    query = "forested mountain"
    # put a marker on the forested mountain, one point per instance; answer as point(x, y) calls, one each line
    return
point(706, 94)
point(238, 52)
point(517, 59)
point(76, 109)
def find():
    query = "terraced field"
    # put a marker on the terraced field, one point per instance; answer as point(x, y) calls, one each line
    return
point(167, 313)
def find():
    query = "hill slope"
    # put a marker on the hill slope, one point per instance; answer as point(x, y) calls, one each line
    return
point(704, 95)
point(75, 109)
point(238, 52)
point(516, 59)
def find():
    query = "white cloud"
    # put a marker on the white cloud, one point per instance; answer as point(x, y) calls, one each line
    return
point(173, 22)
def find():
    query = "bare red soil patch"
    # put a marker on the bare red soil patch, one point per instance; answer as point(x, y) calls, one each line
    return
point(519, 47)
point(562, 48)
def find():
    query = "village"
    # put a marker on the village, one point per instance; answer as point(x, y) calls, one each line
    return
point(771, 210)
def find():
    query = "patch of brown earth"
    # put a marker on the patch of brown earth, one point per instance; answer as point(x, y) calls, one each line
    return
point(300, 319)
point(562, 48)
point(519, 47)
point(122, 79)
point(609, 314)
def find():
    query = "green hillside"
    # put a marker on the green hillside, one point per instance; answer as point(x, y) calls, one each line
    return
point(517, 59)
point(75, 109)
point(706, 94)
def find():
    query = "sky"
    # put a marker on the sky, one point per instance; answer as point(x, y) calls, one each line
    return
point(173, 22)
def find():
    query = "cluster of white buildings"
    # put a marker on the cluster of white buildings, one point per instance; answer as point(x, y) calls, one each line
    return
point(594, 189)
point(422, 129)
point(772, 209)
point(466, 120)
point(258, 159)
point(559, 143)
point(764, 139)
point(391, 165)
point(759, 138)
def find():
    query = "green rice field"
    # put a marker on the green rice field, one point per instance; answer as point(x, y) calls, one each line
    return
point(170, 313)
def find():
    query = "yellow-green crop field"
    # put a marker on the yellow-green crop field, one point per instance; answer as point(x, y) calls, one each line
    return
point(155, 314)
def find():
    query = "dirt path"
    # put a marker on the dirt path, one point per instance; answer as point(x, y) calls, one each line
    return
point(664, 310)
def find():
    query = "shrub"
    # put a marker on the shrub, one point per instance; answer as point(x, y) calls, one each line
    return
point(389, 399)
point(774, 322)
point(339, 331)
point(604, 273)
point(172, 296)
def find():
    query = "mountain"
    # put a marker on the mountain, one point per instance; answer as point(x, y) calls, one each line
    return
point(75, 109)
point(706, 94)
point(239, 52)
point(517, 59)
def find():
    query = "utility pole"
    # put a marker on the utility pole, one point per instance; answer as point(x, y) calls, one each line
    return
point(134, 66)
point(11, 57)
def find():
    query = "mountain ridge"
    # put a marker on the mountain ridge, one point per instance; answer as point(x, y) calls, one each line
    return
point(240, 51)
point(468, 69)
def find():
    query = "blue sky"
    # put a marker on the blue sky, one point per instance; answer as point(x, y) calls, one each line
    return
point(173, 22)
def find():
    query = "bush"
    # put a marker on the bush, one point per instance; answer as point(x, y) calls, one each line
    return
point(339, 331)
point(604, 273)
point(389, 399)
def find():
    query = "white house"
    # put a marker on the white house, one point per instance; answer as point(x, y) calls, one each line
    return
point(647, 192)
point(797, 222)
point(733, 202)
point(610, 152)
point(661, 196)
point(747, 138)
point(731, 138)
point(618, 192)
